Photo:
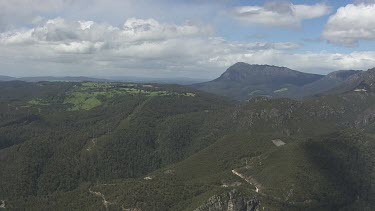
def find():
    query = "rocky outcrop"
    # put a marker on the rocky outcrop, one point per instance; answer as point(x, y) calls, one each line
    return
point(230, 201)
point(2, 204)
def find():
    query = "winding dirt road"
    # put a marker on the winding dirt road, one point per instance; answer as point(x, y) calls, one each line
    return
point(98, 194)
point(249, 180)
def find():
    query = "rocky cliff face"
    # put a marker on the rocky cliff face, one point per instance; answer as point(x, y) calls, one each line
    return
point(230, 201)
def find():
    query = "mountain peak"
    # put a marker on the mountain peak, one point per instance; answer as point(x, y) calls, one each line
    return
point(255, 74)
point(241, 71)
point(248, 67)
point(239, 64)
point(243, 81)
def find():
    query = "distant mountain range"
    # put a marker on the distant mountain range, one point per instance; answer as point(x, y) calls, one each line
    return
point(244, 81)
point(180, 80)
point(50, 78)
point(6, 78)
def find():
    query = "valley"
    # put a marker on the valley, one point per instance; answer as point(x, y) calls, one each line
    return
point(188, 105)
point(118, 146)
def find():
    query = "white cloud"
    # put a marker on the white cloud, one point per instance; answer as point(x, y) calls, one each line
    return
point(351, 24)
point(15, 13)
point(106, 45)
point(78, 47)
point(139, 43)
point(150, 29)
point(134, 30)
point(280, 14)
point(149, 47)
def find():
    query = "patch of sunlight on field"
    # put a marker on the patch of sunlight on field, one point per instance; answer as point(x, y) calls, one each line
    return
point(38, 101)
point(82, 101)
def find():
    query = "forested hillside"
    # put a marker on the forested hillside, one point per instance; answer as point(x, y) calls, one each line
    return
point(113, 146)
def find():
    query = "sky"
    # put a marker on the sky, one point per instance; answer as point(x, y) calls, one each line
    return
point(181, 38)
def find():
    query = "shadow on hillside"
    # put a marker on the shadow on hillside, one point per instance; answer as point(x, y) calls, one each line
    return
point(346, 165)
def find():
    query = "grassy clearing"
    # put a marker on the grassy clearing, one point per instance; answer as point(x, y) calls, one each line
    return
point(38, 101)
point(88, 95)
point(82, 101)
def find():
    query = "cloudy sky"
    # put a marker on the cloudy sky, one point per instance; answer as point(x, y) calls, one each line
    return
point(180, 38)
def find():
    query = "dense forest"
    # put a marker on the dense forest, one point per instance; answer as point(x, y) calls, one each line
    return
point(113, 146)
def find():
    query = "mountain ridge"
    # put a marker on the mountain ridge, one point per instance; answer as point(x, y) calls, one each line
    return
point(242, 72)
point(243, 81)
point(131, 79)
point(363, 81)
